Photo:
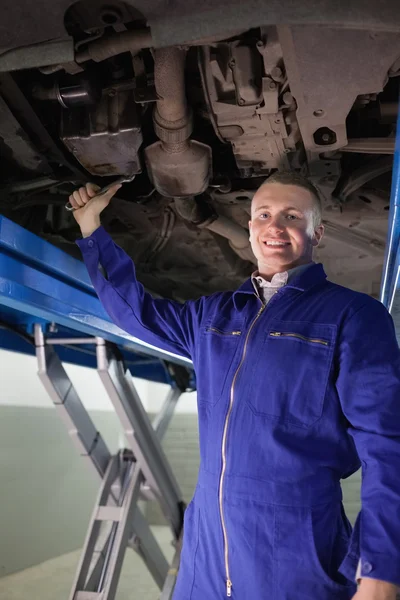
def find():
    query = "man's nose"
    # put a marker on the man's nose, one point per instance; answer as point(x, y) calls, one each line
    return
point(275, 224)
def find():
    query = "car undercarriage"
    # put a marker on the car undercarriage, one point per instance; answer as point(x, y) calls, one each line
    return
point(201, 103)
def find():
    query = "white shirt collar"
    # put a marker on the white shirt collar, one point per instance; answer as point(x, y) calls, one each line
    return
point(279, 279)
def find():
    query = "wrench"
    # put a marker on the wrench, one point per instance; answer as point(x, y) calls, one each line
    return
point(104, 190)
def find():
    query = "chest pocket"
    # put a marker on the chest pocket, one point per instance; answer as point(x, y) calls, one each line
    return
point(291, 372)
point(220, 340)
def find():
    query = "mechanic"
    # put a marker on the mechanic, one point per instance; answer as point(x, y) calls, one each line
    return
point(298, 386)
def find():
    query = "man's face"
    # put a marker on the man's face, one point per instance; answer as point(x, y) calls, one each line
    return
point(282, 235)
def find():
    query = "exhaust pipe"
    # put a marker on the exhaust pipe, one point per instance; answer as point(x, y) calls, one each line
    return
point(126, 41)
point(204, 218)
point(177, 166)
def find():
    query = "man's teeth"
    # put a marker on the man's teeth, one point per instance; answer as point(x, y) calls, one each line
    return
point(276, 243)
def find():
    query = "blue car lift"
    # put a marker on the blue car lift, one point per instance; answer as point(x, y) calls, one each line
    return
point(48, 307)
point(48, 302)
point(390, 289)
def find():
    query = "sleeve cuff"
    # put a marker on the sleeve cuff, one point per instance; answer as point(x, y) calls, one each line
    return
point(98, 236)
point(381, 568)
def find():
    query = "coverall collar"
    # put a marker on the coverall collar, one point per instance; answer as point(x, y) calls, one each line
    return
point(310, 277)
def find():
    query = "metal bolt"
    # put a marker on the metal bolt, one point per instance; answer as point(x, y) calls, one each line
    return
point(112, 93)
point(232, 63)
point(286, 151)
point(241, 101)
point(325, 136)
point(319, 113)
point(287, 98)
point(272, 85)
point(276, 73)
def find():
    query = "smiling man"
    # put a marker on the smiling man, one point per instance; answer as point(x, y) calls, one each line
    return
point(286, 224)
point(298, 386)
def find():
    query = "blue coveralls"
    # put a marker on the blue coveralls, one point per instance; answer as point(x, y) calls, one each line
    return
point(291, 399)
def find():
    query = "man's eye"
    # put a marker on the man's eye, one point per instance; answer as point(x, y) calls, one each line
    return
point(292, 217)
point(264, 216)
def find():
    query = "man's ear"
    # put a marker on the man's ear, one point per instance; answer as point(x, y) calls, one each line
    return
point(318, 235)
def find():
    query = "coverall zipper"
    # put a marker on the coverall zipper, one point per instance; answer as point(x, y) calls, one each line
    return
point(221, 481)
point(215, 330)
point(297, 335)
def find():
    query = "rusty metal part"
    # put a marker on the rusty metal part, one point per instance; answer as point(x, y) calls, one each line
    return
point(176, 165)
point(33, 127)
point(184, 21)
point(328, 68)
point(359, 177)
point(359, 241)
point(388, 112)
point(50, 69)
point(204, 217)
point(246, 67)
point(172, 119)
point(370, 145)
point(31, 185)
point(185, 171)
point(49, 57)
point(83, 92)
point(15, 144)
point(242, 85)
point(126, 41)
point(324, 170)
point(270, 49)
point(237, 236)
point(37, 55)
point(192, 210)
point(94, 16)
point(222, 183)
point(106, 138)
point(324, 137)
point(144, 88)
point(163, 234)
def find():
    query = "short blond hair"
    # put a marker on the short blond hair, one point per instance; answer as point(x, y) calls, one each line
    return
point(294, 178)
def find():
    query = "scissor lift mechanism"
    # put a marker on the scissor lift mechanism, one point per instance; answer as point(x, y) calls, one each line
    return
point(41, 286)
point(141, 470)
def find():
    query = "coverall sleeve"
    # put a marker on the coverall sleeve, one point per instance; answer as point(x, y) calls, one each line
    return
point(369, 389)
point(166, 324)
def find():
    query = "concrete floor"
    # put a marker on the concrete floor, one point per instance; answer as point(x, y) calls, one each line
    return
point(52, 579)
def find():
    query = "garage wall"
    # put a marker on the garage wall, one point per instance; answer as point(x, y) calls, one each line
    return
point(47, 493)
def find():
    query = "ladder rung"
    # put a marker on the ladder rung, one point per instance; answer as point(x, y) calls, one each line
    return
point(109, 513)
point(87, 596)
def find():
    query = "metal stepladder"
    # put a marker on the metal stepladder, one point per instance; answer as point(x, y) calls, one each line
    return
point(139, 472)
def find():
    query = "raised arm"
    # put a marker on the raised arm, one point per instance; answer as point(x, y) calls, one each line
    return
point(163, 323)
